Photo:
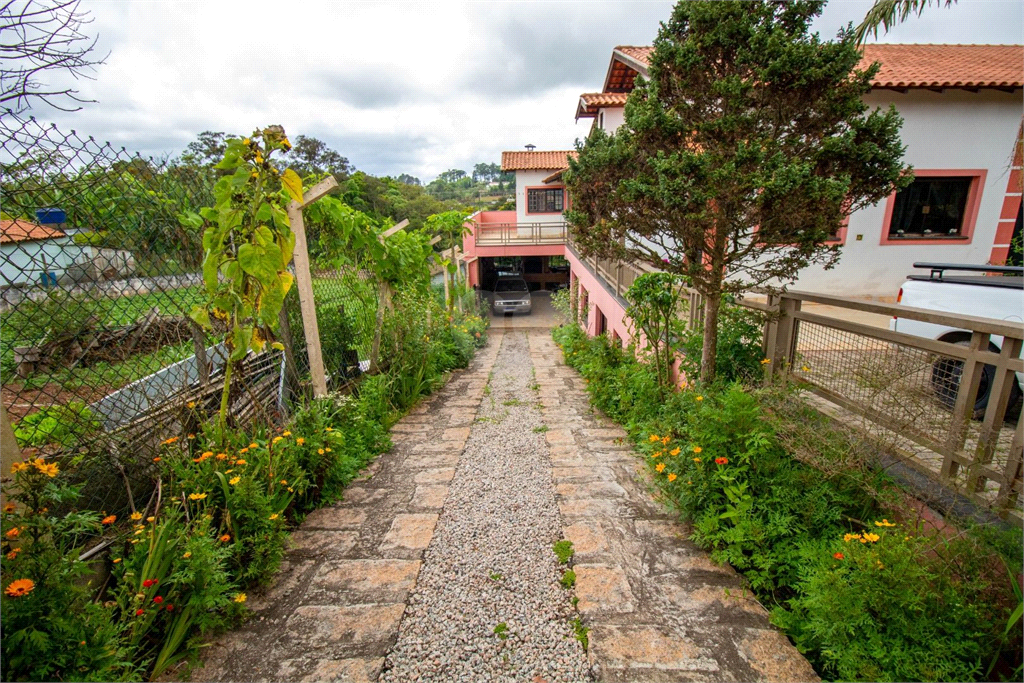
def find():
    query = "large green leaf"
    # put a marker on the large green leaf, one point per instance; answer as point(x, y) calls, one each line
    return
point(292, 184)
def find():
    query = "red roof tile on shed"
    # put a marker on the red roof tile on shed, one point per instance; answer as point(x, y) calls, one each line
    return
point(23, 231)
point(535, 161)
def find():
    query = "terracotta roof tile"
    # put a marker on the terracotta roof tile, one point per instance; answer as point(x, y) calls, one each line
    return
point(604, 99)
point(927, 66)
point(23, 231)
point(946, 66)
point(535, 161)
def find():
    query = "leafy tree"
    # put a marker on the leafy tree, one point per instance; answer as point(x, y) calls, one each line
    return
point(740, 157)
point(407, 179)
point(485, 173)
point(310, 156)
point(451, 175)
point(42, 37)
point(207, 149)
point(888, 13)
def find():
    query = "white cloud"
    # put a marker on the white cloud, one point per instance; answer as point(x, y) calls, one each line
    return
point(395, 87)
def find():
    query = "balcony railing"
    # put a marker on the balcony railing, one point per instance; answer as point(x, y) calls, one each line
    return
point(514, 234)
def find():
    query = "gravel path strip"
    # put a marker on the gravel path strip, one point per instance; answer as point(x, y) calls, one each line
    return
point(490, 562)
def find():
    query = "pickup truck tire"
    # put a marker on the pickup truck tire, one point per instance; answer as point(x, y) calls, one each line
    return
point(946, 374)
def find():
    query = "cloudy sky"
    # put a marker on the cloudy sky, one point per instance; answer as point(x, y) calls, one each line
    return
point(397, 87)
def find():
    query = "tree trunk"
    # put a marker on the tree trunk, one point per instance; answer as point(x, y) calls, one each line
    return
point(712, 305)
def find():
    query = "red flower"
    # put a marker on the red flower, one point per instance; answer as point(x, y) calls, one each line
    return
point(839, 556)
point(158, 599)
point(139, 612)
point(721, 461)
point(170, 608)
point(150, 582)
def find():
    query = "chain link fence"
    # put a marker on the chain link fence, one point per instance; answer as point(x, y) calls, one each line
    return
point(99, 359)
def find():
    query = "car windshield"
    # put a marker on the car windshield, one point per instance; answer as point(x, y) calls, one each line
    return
point(511, 286)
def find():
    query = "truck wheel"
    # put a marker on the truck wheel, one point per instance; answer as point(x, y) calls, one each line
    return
point(946, 374)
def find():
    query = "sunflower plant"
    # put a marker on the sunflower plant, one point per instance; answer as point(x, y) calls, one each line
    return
point(248, 245)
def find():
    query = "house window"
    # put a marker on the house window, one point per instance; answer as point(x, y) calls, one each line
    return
point(931, 208)
point(544, 201)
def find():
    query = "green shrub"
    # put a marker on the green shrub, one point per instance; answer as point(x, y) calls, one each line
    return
point(738, 354)
point(910, 606)
point(66, 425)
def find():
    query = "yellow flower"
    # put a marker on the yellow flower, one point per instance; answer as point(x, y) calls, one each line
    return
point(884, 522)
point(699, 398)
point(187, 555)
point(291, 490)
point(697, 449)
point(320, 451)
point(18, 467)
point(286, 434)
point(228, 471)
point(277, 438)
point(241, 462)
point(660, 467)
point(196, 496)
point(328, 429)
point(240, 597)
point(234, 480)
point(805, 368)
point(870, 538)
point(674, 451)
point(116, 560)
point(244, 450)
point(49, 469)
point(328, 450)
point(671, 476)
point(696, 459)
point(766, 361)
point(300, 441)
point(254, 445)
point(222, 456)
point(653, 437)
point(136, 516)
point(665, 440)
point(850, 537)
point(284, 482)
point(274, 516)
point(191, 404)
point(150, 519)
point(19, 587)
point(656, 455)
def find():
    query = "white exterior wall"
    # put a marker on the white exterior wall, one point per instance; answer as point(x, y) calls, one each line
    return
point(613, 118)
point(954, 129)
point(23, 262)
point(525, 179)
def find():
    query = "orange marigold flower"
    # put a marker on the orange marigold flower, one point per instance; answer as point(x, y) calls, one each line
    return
point(109, 519)
point(696, 460)
point(660, 467)
point(699, 398)
point(839, 556)
point(665, 440)
point(222, 456)
point(674, 451)
point(653, 438)
point(884, 522)
point(671, 476)
point(300, 441)
point(135, 516)
point(320, 451)
point(240, 597)
point(225, 538)
point(9, 507)
point(697, 449)
point(20, 587)
point(244, 450)
point(18, 467)
point(157, 459)
point(656, 455)
point(721, 461)
point(254, 445)
point(13, 554)
point(168, 442)
point(241, 462)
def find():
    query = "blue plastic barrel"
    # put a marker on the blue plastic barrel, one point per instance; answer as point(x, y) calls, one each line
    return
point(51, 216)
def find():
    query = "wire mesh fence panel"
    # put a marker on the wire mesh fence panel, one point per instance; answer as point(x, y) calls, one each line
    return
point(99, 359)
point(904, 396)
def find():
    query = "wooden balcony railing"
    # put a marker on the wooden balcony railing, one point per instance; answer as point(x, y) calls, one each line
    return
point(510, 234)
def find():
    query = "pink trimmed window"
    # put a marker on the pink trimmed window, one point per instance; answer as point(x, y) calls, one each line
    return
point(939, 207)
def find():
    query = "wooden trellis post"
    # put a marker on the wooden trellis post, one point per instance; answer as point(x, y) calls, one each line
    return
point(304, 283)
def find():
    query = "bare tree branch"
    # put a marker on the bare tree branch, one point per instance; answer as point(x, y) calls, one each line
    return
point(41, 37)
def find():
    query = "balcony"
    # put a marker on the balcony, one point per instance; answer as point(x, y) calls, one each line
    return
point(501, 229)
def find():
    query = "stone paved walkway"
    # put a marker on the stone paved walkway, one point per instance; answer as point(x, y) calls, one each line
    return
point(658, 609)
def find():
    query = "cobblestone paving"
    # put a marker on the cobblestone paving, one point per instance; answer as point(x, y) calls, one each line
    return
point(357, 576)
point(334, 610)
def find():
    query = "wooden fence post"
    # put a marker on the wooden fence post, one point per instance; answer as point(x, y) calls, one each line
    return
point(963, 409)
point(304, 283)
point(10, 451)
point(782, 350)
point(999, 399)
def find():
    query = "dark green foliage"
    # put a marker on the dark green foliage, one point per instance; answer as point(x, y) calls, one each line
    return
point(66, 425)
point(738, 352)
point(740, 157)
point(898, 602)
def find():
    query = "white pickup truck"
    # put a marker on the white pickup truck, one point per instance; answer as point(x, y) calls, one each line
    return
point(978, 294)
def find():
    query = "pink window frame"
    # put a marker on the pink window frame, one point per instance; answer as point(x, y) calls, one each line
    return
point(977, 176)
point(565, 200)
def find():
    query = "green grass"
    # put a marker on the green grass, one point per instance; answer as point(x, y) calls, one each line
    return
point(563, 550)
point(541, 429)
point(501, 630)
point(581, 632)
point(568, 579)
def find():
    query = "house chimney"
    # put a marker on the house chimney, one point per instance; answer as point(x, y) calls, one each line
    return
point(530, 148)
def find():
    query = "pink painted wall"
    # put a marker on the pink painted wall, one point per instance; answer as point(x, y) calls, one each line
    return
point(599, 298)
point(480, 221)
